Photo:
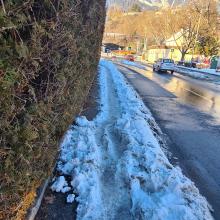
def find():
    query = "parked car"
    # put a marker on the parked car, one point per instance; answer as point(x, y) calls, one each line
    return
point(195, 64)
point(129, 57)
point(180, 63)
point(164, 65)
point(192, 64)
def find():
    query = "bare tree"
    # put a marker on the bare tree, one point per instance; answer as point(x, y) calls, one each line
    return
point(189, 23)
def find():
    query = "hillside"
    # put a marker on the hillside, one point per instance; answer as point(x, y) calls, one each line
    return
point(138, 24)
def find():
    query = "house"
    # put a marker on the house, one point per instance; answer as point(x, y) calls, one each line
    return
point(169, 49)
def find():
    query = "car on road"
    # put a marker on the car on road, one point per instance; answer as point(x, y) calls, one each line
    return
point(129, 57)
point(164, 65)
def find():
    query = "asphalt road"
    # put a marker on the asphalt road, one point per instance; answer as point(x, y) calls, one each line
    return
point(188, 112)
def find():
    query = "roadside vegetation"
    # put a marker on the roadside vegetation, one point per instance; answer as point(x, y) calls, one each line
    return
point(48, 59)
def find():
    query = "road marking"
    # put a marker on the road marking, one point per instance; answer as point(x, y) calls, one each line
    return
point(195, 93)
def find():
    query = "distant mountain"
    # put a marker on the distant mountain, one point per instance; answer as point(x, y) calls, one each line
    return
point(145, 4)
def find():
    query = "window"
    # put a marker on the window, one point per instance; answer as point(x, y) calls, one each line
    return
point(168, 61)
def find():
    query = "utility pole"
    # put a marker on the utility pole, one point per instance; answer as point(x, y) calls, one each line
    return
point(144, 53)
point(145, 40)
point(138, 46)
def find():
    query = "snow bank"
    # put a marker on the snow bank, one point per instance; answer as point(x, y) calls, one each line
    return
point(198, 73)
point(157, 189)
point(189, 72)
point(209, 71)
point(79, 159)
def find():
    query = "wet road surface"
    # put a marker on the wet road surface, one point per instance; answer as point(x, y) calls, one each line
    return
point(188, 112)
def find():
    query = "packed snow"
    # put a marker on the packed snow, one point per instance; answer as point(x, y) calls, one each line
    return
point(116, 165)
point(70, 198)
point(60, 185)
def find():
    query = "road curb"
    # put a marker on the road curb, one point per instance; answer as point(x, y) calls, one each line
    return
point(34, 209)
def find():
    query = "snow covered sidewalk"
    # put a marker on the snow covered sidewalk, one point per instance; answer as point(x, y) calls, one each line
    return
point(114, 166)
point(197, 73)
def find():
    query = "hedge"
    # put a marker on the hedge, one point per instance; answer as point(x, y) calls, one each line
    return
point(49, 55)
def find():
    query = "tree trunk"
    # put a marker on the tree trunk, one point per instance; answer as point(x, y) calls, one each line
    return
point(183, 53)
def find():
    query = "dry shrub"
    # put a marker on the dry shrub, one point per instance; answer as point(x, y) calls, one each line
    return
point(48, 59)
